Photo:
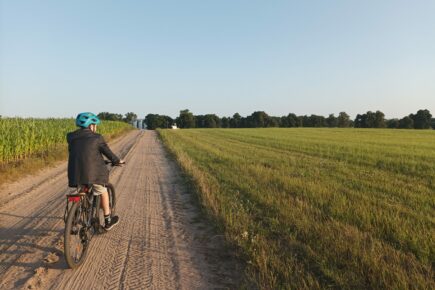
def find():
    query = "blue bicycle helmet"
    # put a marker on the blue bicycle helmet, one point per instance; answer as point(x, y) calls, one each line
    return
point(85, 119)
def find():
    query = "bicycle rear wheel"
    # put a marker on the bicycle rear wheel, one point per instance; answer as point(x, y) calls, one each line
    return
point(76, 236)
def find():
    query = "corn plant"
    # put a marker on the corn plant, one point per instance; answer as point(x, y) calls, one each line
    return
point(21, 138)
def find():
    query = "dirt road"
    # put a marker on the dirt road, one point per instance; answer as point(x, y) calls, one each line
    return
point(160, 243)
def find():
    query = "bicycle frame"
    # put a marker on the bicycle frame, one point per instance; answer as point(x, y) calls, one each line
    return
point(88, 203)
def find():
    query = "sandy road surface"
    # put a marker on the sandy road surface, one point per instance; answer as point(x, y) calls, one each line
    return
point(160, 242)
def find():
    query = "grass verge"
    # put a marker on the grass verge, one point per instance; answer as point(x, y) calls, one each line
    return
point(216, 227)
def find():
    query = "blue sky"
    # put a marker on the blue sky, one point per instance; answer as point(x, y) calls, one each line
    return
point(58, 58)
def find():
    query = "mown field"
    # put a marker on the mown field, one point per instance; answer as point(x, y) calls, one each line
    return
point(22, 138)
point(319, 208)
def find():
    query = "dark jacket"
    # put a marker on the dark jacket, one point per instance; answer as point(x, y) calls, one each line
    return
point(85, 163)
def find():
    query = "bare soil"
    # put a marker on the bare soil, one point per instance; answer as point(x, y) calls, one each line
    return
point(161, 241)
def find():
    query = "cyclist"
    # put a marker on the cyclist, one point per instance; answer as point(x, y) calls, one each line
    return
point(86, 165)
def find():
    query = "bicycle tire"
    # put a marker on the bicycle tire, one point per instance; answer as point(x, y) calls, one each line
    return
point(112, 198)
point(98, 216)
point(71, 219)
point(98, 212)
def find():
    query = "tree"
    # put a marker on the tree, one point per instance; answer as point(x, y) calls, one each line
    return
point(130, 117)
point(211, 121)
point(207, 121)
point(379, 120)
point(422, 120)
point(370, 120)
point(284, 122)
point(168, 121)
point(245, 122)
point(317, 121)
point(406, 123)
point(186, 119)
point(109, 116)
point(225, 122)
point(200, 121)
point(154, 121)
point(393, 123)
point(306, 121)
point(332, 121)
point(273, 122)
point(343, 120)
point(235, 121)
point(359, 121)
point(258, 119)
point(293, 120)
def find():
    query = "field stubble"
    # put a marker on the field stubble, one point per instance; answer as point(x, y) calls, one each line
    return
point(320, 208)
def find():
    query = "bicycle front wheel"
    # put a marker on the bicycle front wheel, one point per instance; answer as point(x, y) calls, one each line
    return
point(112, 198)
point(76, 236)
point(98, 212)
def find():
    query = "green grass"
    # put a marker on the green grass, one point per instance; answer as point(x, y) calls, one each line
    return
point(320, 208)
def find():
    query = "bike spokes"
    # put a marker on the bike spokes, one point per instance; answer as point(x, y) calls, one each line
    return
point(77, 235)
point(84, 219)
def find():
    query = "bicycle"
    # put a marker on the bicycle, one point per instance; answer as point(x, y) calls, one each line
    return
point(83, 219)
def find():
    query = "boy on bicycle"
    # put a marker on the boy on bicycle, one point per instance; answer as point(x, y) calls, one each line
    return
point(86, 165)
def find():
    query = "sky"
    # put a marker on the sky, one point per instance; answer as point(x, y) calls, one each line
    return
point(59, 58)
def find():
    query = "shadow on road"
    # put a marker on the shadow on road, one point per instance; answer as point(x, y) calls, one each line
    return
point(27, 245)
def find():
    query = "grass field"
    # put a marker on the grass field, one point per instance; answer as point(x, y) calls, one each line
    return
point(319, 208)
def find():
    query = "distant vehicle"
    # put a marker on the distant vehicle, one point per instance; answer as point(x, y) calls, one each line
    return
point(174, 126)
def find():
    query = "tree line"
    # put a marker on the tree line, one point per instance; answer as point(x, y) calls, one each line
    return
point(422, 119)
point(128, 117)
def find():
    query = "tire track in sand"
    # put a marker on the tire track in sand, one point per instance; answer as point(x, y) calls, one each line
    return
point(158, 244)
point(31, 220)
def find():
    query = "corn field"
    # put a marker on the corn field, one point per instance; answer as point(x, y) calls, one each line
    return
point(21, 138)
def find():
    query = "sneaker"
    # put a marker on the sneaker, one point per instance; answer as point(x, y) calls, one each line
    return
point(113, 221)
